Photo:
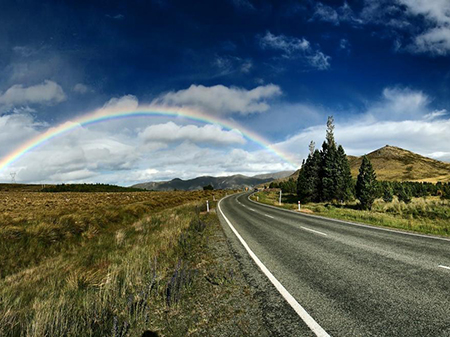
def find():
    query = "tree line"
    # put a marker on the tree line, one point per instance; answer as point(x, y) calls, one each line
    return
point(89, 188)
point(325, 177)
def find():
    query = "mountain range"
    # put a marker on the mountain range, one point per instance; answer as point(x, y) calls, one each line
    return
point(237, 181)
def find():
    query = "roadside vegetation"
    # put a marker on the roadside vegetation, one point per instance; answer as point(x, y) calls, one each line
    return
point(429, 215)
point(118, 264)
point(325, 187)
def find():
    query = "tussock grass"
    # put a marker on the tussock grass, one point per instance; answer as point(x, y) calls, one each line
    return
point(430, 215)
point(118, 271)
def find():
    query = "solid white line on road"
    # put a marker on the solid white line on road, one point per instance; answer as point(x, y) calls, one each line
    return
point(445, 267)
point(312, 230)
point(269, 216)
point(312, 324)
point(251, 209)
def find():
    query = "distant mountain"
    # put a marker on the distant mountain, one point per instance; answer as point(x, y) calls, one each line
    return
point(392, 163)
point(276, 175)
point(237, 181)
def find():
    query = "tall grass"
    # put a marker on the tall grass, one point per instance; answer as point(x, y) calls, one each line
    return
point(118, 274)
point(430, 215)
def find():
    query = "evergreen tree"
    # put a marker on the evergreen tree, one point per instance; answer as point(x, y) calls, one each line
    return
point(388, 193)
point(344, 177)
point(330, 166)
point(308, 183)
point(366, 184)
point(405, 194)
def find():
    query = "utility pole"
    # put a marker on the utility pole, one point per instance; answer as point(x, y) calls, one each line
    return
point(279, 201)
point(13, 177)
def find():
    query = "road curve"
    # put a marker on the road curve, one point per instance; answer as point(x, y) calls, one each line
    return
point(352, 280)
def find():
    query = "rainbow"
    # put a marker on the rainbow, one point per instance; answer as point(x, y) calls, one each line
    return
point(103, 115)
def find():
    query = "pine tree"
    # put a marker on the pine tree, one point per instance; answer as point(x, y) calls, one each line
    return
point(330, 165)
point(344, 177)
point(405, 194)
point(388, 193)
point(308, 180)
point(366, 184)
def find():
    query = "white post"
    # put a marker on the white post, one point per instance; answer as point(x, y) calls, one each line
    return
point(257, 198)
point(207, 206)
point(299, 205)
point(214, 198)
point(279, 201)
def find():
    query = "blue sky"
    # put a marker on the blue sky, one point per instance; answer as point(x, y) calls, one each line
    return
point(278, 68)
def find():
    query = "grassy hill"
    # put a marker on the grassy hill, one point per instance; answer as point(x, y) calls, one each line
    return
point(236, 181)
point(392, 163)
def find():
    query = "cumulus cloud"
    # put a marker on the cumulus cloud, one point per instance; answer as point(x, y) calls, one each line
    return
point(295, 48)
point(127, 102)
point(402, 117)
point(222, 100)
point(48, 93)
point(130, 151)
point(208, 134)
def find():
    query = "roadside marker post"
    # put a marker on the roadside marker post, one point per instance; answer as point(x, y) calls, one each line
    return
point(214, 198)
point(207, 206)
point(257, 198)
point(299, 205)
point(279, 201)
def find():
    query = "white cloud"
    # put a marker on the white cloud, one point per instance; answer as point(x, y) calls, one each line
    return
point(47, 92)
point(400, 103)
point(81, 88)
point(327, 13)
point(208, 134)
point(127, 102)
point(129, 151)
point(295, 48)
point(222, 100)
point(436, 39)
point(402, 117)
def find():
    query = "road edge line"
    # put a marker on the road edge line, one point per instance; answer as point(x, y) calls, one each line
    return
point(301, 312)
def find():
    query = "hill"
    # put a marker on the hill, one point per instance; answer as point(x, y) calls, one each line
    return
point(237, 181)
point(393, 163)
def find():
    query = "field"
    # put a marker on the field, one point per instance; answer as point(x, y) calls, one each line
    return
point(118, 264)
point(429, 215)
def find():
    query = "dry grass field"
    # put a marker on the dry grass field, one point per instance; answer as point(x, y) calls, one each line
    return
point(430, 215)
point(117, 264)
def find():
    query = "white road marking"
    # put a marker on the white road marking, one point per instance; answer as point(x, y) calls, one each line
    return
point(312, 230)
point(251, 209)
point(445, 267)
point(269, 216)
point(312, 324)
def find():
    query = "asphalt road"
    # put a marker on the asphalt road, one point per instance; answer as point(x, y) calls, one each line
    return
point(352, 280)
